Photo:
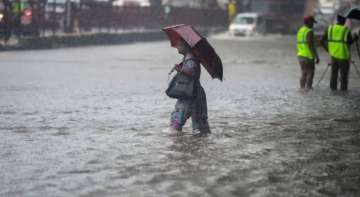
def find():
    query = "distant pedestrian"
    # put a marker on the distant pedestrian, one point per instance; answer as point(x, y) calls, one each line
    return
point(17, 7)
point(7, 25)
point(337, 40)
point(167, 13)
point(306, 52)
point(232, 10)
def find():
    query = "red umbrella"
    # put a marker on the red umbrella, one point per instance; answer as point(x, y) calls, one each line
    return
point(199, 45)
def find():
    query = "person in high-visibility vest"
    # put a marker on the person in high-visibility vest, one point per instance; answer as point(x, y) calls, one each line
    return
point(17, 8)
point(306, 52)
point(337, 40)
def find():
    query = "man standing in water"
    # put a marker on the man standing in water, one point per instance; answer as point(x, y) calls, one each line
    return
point(337, 40)
point(306, 52)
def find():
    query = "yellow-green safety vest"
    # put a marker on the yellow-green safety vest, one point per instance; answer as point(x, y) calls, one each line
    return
point(303, 44)
point(337, 42)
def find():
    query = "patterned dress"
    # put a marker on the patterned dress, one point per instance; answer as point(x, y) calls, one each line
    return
point(196, 108)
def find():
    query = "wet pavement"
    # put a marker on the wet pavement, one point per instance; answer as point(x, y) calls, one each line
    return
point(94, 122)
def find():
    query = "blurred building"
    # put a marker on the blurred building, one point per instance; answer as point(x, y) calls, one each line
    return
point(328, 6)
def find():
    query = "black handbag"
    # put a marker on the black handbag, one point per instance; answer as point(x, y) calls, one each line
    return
point(182, 87)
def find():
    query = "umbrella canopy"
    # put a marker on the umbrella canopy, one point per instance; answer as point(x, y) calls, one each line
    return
point(353, 13)
point(199, 45)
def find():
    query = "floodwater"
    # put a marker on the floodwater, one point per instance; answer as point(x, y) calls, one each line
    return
point(94, 122)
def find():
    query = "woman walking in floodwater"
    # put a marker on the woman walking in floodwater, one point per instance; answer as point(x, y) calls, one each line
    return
point(185, 86)
point(195, 108)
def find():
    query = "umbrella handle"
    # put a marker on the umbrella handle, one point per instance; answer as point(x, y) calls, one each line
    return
point(172, 70)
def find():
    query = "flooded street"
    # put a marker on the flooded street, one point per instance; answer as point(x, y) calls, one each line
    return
point(94, 122)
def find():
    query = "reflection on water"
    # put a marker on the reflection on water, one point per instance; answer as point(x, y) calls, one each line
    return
point(89, 128)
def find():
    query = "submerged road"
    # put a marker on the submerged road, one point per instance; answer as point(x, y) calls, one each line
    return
point(93, 122)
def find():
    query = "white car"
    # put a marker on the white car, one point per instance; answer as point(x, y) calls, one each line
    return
point(140, 3)
point(244, 24)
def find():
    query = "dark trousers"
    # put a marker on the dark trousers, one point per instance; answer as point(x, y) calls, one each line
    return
point(307, 72)
point(343, 66)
